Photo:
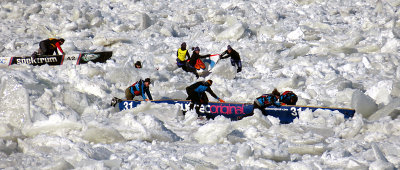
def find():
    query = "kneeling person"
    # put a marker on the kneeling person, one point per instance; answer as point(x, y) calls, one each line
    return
point(266, 100)
point(140, 88)
point(182, 56)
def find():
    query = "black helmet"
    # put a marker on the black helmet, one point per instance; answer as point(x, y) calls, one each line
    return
point(147, 80)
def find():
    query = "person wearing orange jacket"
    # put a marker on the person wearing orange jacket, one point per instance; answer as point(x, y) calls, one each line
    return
point(194, 61)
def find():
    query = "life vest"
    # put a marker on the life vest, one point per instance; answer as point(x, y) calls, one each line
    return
point(201, 89)
point(267, 100)
point(182, 54)
point(136, 88)
point(199, 65)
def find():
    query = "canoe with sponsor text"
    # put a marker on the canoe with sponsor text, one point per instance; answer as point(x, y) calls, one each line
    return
point(53, 60)
point(236, 111)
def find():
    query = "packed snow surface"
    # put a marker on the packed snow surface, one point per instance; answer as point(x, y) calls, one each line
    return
point(337, 53)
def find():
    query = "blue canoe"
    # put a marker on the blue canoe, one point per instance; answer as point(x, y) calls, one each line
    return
point(236, 111)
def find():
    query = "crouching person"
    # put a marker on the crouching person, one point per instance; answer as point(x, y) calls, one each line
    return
point(140, 88)
point(264, 101)
point(197, 94)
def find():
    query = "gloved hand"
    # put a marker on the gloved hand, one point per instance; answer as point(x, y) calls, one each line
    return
point(222, 101)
